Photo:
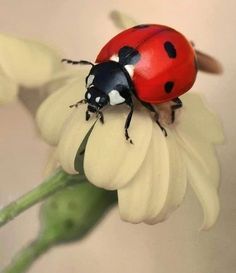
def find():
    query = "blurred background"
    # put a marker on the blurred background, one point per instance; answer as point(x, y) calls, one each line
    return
point(79, 29)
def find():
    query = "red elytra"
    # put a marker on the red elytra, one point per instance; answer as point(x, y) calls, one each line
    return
point(167, 67)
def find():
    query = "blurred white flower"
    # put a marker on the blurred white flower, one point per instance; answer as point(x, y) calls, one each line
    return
point(25, 63)
point(152, 174)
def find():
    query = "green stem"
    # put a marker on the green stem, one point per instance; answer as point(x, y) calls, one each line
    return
point(28, 255)
point(53, 184)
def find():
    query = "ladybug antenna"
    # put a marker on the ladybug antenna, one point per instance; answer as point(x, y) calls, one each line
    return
point(83, 62)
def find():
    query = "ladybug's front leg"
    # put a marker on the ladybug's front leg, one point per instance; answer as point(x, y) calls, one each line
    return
point(128, 120)
point(178, 104)
point(87, 115)
point(100, 116)
point(78, 102)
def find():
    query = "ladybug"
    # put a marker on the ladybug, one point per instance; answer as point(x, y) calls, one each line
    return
point(153, 63)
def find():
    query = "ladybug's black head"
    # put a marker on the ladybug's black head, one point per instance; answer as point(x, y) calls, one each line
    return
point(96, 99)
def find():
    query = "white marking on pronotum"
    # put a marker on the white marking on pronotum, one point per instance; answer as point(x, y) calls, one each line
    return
point(115, 97)
point(88, 95)
point(130, 69)
point(90, 80)
point(97, 99)
point(114, 58)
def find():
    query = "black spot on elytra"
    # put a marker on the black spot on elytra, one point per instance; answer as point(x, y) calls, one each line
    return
point(169, 86)
point(128, 55)
point(170, 49)
point(142, 26)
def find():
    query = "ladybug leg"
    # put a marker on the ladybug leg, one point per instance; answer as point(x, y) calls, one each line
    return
point(161, 127)
point(87, 115)
point(128, 120)
point(152, 109)
point(178, 104)
point(77, 103)
point(100, 116)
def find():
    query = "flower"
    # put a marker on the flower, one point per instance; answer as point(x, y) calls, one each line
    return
point(151, 175)
point(25, 63)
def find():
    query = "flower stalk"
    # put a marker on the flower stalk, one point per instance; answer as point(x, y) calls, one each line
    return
point(56, 182)
point(27, 256)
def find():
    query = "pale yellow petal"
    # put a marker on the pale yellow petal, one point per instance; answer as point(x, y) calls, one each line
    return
point(146, 193)
point(62, 78)
point(26, 62)
point(177, 182)
point(73, 134)
point(32, 98)
point(111, 161)
point(197, 119)
point(8, 90)
point(206, 192)
point(55, 110)
point(121, 20)
point(198, 128)
point(196, 136)
point(52, 163)
point(203, 153)
point(203, 175)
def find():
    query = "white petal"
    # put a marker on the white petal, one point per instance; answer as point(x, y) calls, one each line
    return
point(52, 163)
point(177, 181)
point(198, 128)
point(121, 20)
point(196, 135)
point(73, 134)
point(147, 191)
point(203, 153)
point(62, 78)
point(8, 90)
point(197, 119)
point(110, 161)
point(203, 175)
point(204, 189)
point(27, 62)
point(159, 186)
point(55, 110)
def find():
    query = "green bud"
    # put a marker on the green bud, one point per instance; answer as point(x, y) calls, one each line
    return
point(71, 213)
